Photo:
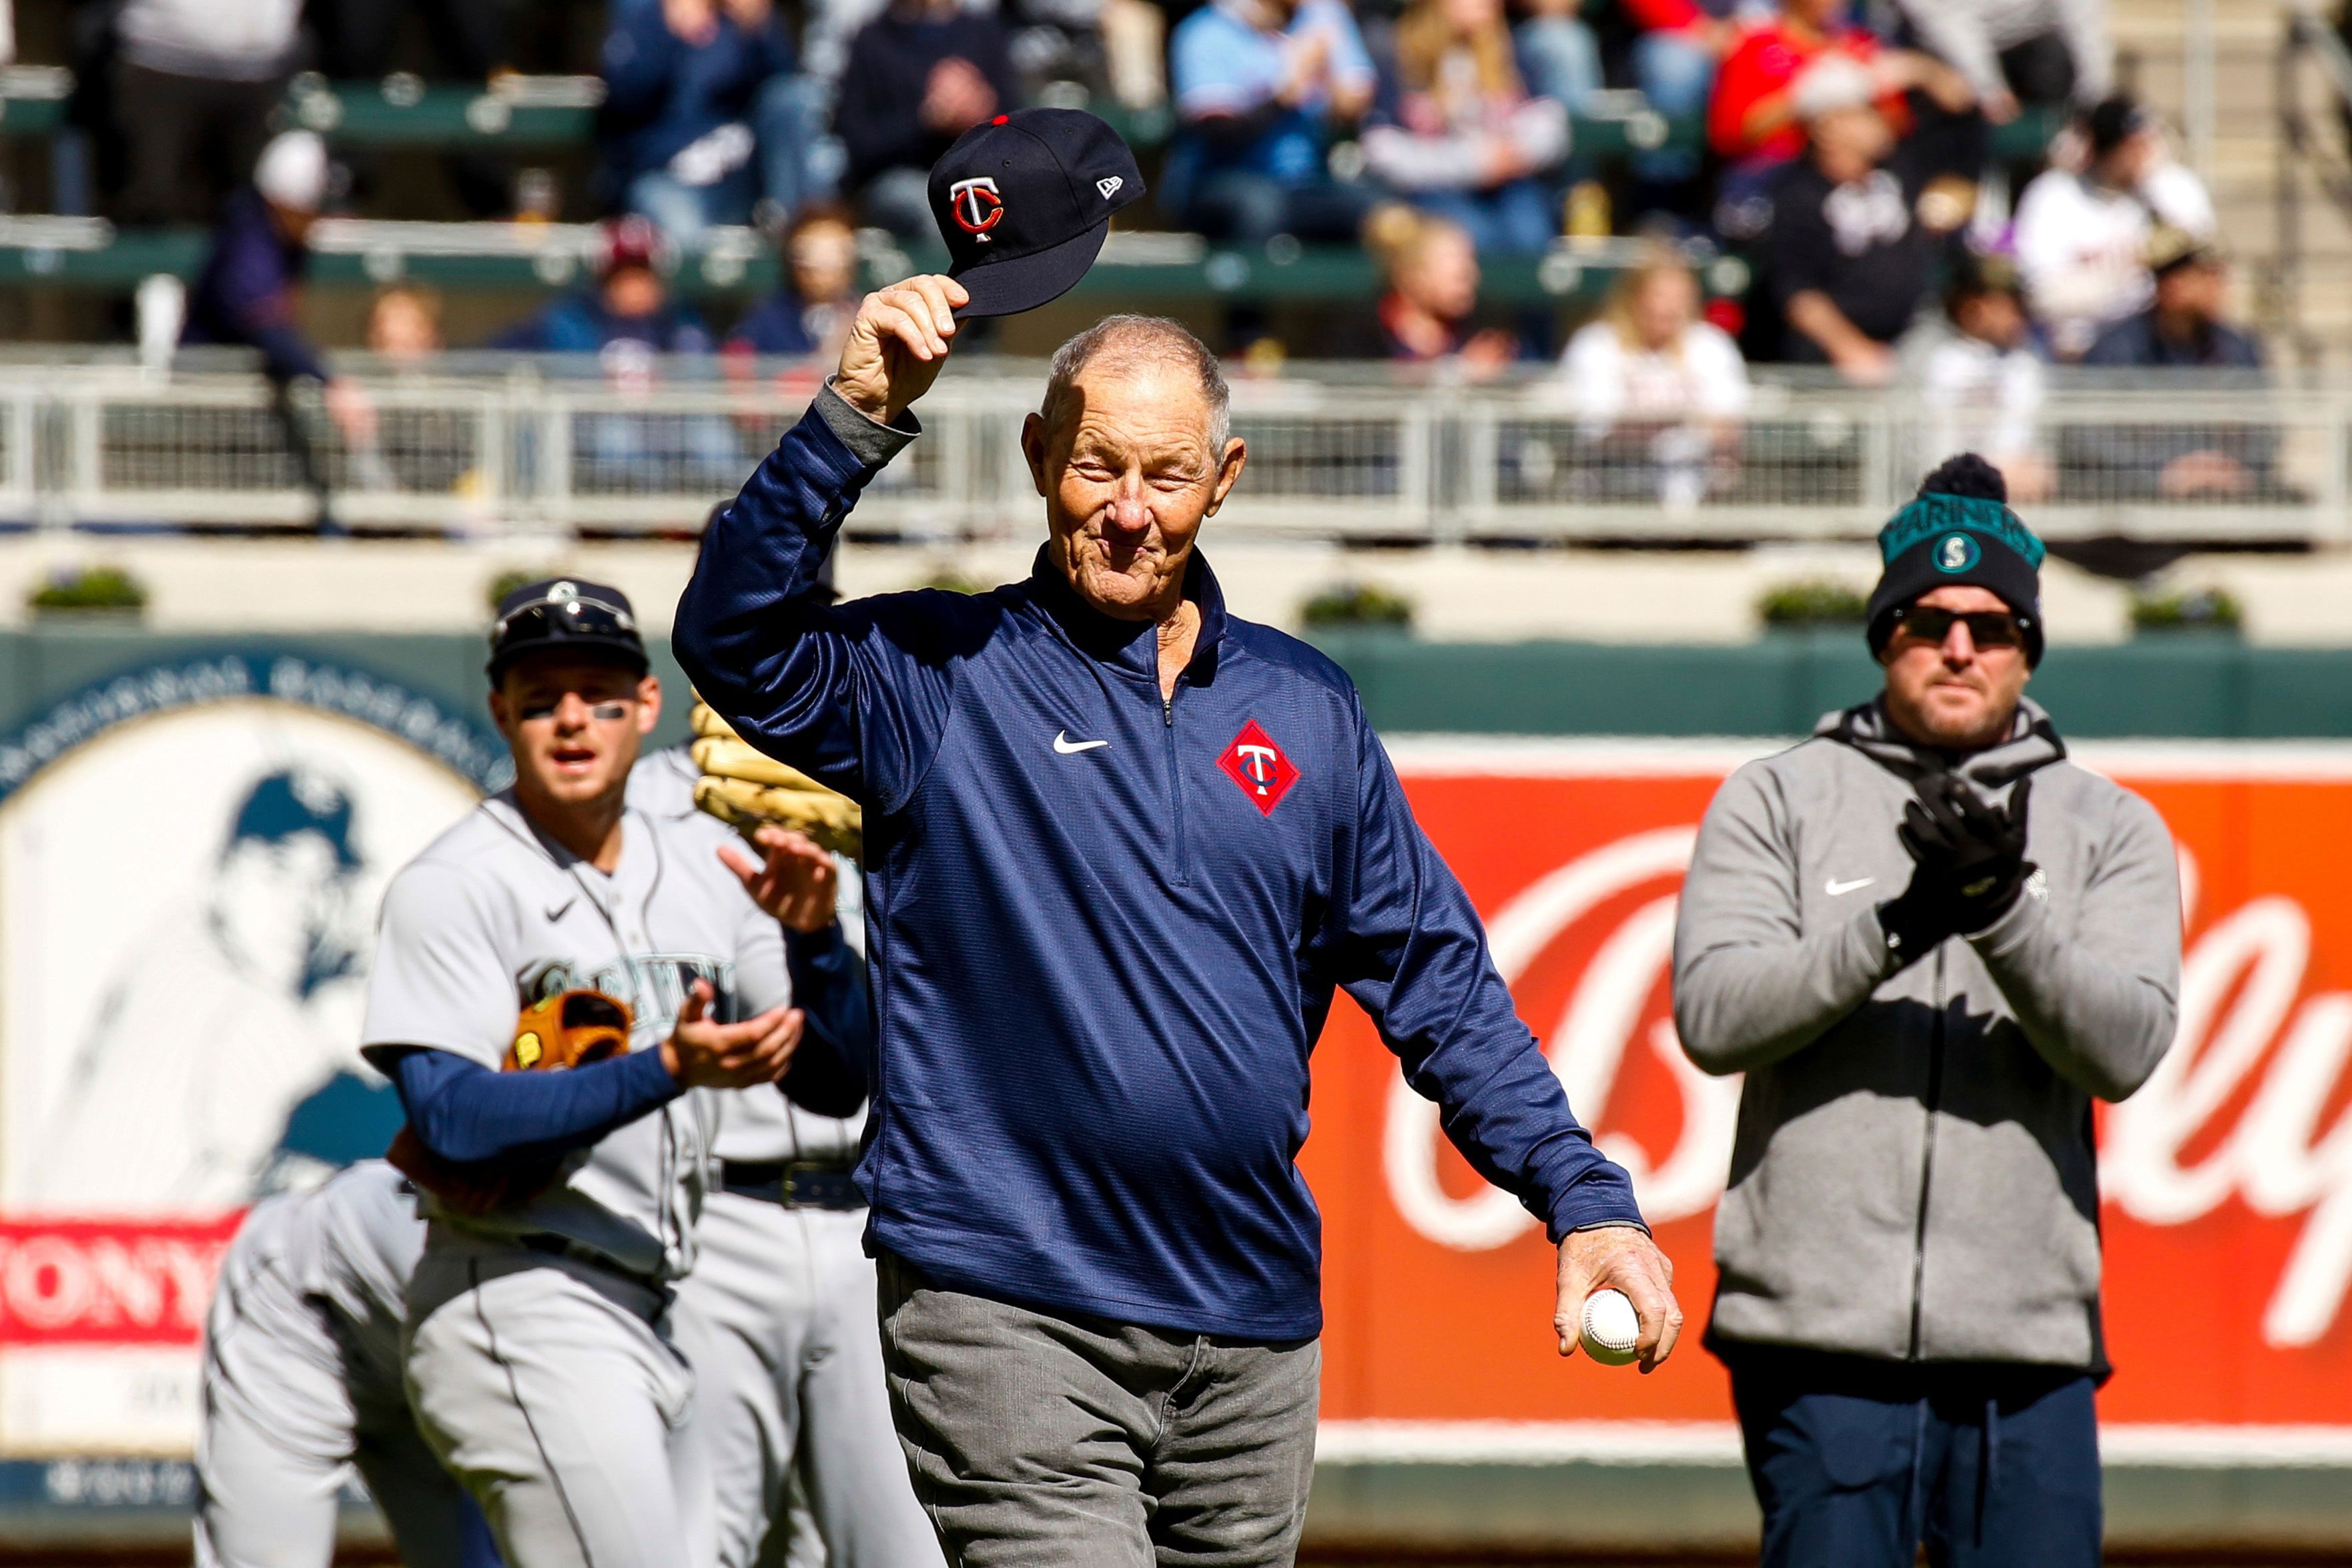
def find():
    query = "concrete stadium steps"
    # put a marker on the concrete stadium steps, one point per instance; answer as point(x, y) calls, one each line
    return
point(2309, 318)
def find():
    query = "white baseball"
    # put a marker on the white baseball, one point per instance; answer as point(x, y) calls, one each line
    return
point(1611, 1328)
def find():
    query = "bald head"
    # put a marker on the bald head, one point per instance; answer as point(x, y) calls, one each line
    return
point(1132, 345)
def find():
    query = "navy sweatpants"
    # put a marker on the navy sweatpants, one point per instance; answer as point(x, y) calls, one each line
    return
point(1856, 1462)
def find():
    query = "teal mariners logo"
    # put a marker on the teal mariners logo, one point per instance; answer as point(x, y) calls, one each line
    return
point(1953, 529)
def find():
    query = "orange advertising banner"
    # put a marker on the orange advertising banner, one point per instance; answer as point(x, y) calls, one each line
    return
point(2226, 1182)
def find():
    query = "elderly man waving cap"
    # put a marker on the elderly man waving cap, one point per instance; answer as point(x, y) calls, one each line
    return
point(1121, 847)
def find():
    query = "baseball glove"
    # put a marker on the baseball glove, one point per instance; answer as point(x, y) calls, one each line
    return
point(569, 1029)
point(744, 787)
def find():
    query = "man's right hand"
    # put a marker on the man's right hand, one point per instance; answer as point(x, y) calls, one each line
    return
point(703, 1054)
point(897, 344)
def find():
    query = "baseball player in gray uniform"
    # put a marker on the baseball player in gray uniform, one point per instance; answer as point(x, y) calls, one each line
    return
point(303, 1381)
point(561, 1205)
point(779, 1315)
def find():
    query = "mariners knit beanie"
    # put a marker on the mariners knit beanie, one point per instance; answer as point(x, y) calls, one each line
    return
point(1959, 529)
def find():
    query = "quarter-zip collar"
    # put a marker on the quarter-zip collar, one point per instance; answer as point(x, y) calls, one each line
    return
point(1131, 647)
point(2033, 744)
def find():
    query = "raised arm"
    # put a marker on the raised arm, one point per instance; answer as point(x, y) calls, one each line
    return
point(849, 694)
point(1749, 986)
point(1412, 951)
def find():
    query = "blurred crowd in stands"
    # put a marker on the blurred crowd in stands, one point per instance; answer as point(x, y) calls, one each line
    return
point(1951, 195)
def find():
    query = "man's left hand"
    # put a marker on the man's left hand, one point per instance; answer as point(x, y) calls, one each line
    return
point(1619, 1258)
point(798, 884)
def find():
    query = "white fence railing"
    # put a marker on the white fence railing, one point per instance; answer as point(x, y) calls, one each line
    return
point(525, 451)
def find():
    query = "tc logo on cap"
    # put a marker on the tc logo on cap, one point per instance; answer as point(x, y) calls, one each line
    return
point(1955, 553)
point(975, 205)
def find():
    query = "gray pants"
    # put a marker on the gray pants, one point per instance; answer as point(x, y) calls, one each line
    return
point(288, 1409)
point(778, 1320)
point(551, 1388)
point(1043, 1441)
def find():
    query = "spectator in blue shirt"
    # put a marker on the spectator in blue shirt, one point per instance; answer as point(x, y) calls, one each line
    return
point(920, 75)
point(2183, 330)
point(1260, 87)
point(630, 324)
point(810, 313)
point(704, 118)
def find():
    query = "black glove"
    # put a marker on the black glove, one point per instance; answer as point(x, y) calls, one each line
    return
point(1968, 867)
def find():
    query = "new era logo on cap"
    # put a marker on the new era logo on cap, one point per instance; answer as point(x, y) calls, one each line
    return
point(1010, 198)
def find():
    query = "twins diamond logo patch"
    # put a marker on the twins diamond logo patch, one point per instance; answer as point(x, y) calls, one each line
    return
point(1258, 764)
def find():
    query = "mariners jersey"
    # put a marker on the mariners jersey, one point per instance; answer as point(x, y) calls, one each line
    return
point(495, 915)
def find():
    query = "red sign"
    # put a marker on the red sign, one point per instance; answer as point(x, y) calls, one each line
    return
point(2227, 1180)
point(108, 1282)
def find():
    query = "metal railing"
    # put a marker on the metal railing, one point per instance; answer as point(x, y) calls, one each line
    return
point(526, 451)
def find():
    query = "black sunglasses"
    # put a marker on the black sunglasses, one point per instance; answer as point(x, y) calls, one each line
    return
point(1987, 628)
point(595, 618)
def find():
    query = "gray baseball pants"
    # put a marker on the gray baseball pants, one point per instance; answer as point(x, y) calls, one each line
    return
point(551, 1389)
point(778, 1320)
point(288, 1409)
point(1038, 1440)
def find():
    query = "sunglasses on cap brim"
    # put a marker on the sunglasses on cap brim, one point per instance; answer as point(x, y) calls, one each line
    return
point(595, 618)
point(1987, 628)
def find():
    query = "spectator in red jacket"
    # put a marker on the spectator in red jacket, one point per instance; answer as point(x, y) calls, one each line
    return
point(1753, 119)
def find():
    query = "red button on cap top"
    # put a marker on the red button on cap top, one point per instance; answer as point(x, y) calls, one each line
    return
point(1002, 119)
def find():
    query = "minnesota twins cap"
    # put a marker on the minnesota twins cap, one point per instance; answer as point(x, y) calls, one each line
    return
point(568, 615)
point(1024, 202)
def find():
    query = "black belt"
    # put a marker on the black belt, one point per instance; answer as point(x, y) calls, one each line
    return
point(550, 1244)
point(795, 1183)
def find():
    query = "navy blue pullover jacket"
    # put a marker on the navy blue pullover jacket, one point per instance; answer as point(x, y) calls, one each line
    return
point(249, 288)
point(1103, 932)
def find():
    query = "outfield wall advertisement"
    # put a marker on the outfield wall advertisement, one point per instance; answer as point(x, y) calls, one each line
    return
point(2227, 1180)
point(190, 857)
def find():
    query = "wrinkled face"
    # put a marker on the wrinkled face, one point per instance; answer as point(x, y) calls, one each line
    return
point(1441, 275)
point(1954, 694)
point(824, 260)
point(1667, 303)
point(1128, 476)
point(573, 724)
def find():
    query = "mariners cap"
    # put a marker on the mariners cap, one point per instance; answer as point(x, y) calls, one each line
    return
point(567, 614)
point(1023, 202)
point(1959, 529)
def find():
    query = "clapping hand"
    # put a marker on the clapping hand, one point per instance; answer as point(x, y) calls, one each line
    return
point(1968, 862)
point(702, 1053)
point(798, 884)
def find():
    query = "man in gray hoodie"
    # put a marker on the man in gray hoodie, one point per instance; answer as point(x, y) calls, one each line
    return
point(1931, 942)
